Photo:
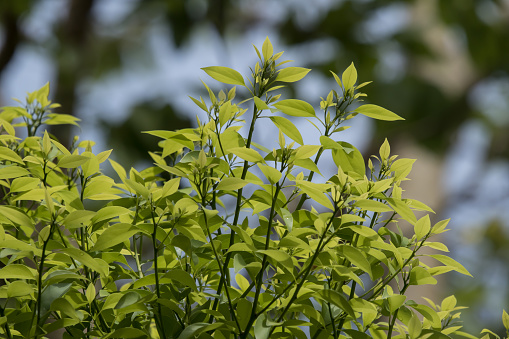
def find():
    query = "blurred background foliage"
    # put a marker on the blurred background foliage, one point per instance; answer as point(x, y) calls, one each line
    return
point(441, 64)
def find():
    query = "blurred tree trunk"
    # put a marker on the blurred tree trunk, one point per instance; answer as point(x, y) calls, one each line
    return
point(74, 37)
point(12, 35)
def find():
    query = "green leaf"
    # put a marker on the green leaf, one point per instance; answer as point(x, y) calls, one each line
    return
point(225, 75)
point(279, 256)
point(449, 303)
point(109, 212)
point(10, 155)
point(260, 104)
point(25, 184)
point(231, 184)
point(271, 173)
point(307, 164)
point(194, 330)
point(98, 265)
point(315, 192)
point(422, 227)
point(505, 319)
point(349, 159)
point(244, 308)
point(126, 333)
point(395, 302)
point(182, 277)
point(306, 151)
point(451, 263)
point(377, 112)
point(90, 293)
point(72, 161)
point(65, 307)
point(296, 108)
point(16, 216)
point(357, 334)
point(10, 172)
point(420, 276)
point(16, 271)
point(288, 128)
point(372, 205)
point(349, 77)
point(78, 218)
point(429, 314)
point(19, 288)
point(338, 300)
point(402, 209)
point(13, 243)
point(338, 81)
point(61, 119)
point(128, 299)
point(366, 232)
point(113, 235)
point(267, 49)
point(225, 113)
point(414, 327)
point(292, 74)
point(357, 258)
point(53, 292)
point(261, 328)
point(328, 143)
point(247, 154)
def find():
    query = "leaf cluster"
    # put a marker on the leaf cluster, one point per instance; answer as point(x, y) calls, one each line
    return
point(222, 237)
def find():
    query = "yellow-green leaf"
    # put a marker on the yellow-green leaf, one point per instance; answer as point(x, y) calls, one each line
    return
point(349, 77)
point(16, 271)
point(247, 154)
point(260, 104)
point(231, 184)
point(288, 128)
point(451, 263)
point(10, 155)
point(10, 172)
point(296, 108)
point(377, 112)
point(225, 75)
point(372, 205)
point(267, 49)
point(113, 235)
point(292, 74)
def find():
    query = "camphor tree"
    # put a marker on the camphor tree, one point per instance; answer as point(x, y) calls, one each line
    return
point(167, 254)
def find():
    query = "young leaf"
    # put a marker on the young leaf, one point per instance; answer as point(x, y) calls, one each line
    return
point(10, 155)
point(349, 77)
point(16, 271)
point(292, 74)
point(338, 81)
point(420, 276)
point(225, 75)
point(260, 104)
point(451, 263)
point(72, 161)
point(422, 227)
point(247, 154)
point(113, 235)
point(296, 108)
point(10, 172)
point(231, 184)
point(288, 128)
point(372, 205)
point(267, 49)
point(377, 112)
point(349, 159)
point(271, 173)
point(505, 319)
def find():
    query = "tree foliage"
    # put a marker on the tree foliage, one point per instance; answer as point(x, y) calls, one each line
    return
point(222, 237)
